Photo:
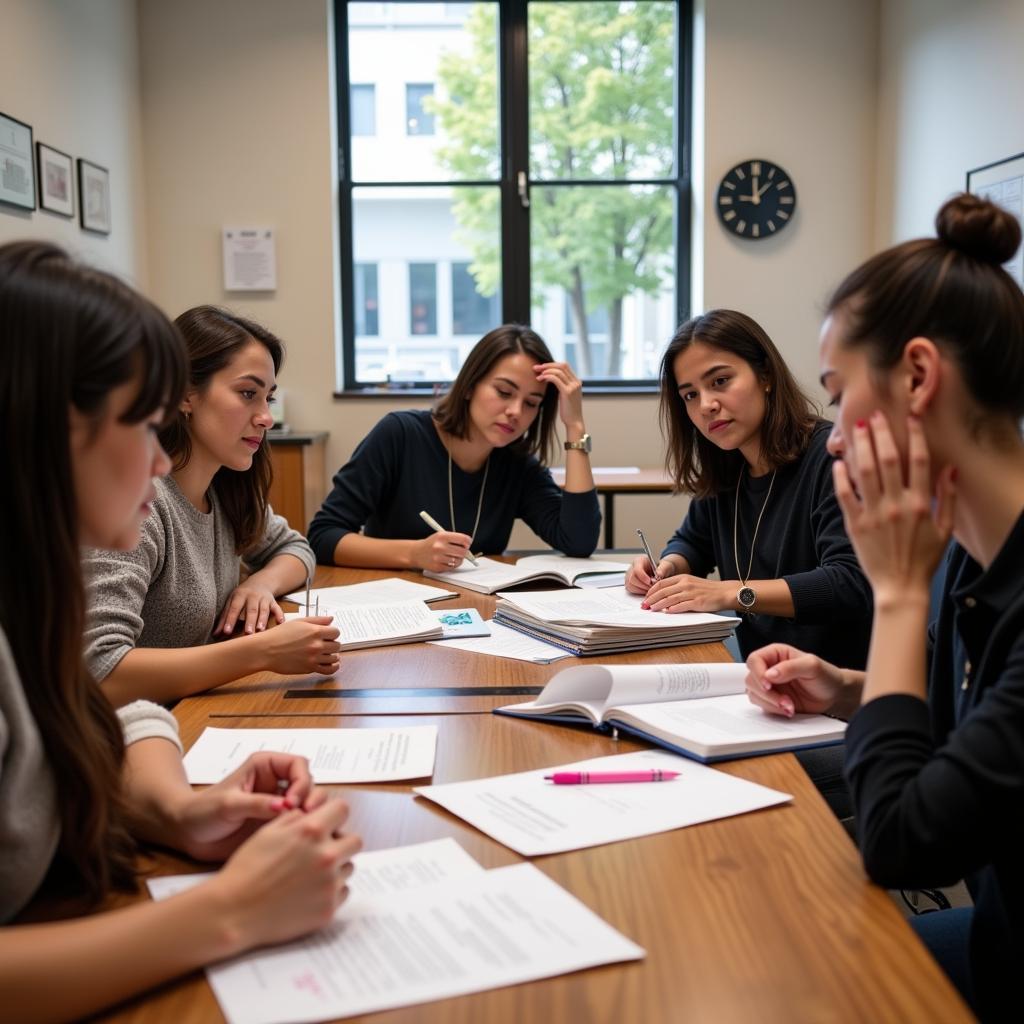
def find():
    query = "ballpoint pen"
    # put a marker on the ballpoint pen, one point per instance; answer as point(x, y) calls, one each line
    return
point(308, 579)
point(583, 778)
point(438, 528)
point(650, 557)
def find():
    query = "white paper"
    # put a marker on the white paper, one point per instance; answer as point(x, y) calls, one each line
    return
point(376, 624)
point(250, 259)
point(334, 755)
point(507, 643)
point(533, 816)
point(386, 591)
point(484, 930)
point(377, 872)
point(558, 472)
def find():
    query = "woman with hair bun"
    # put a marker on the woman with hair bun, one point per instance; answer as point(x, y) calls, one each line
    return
point(922, 351)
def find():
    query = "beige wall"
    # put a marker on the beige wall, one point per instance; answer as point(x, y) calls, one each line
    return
point(951, 98)
point(71, 70)
point(238, 129)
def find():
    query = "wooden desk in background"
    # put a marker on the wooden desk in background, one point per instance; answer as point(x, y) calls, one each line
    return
point(300, 478)
point(610, 482)
point(760, 917)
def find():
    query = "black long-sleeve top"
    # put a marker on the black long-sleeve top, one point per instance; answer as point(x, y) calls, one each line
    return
point(939, 786)
point(801, 540)
point(401, 467)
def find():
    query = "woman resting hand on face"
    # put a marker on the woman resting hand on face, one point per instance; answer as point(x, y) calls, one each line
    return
point(473, 463)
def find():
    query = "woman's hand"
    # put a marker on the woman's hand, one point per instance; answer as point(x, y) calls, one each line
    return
point(784, 680)
point(250, 601)
point(570, 395)
point(639, 579)
point(300, 646)
point(686, 593)
point(213, 822)
point(286, 880)
point(440, 552)
point(897, 535)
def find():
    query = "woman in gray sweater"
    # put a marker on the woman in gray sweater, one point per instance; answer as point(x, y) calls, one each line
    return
point(88, 369)
point(154, 610)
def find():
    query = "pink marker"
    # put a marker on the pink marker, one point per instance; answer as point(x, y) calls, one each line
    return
point(582, 778)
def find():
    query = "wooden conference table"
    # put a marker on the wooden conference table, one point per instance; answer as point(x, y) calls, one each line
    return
point(762, 917)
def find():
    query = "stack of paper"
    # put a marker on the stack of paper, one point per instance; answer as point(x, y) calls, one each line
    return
point(605, 621)
point(423, 922)
point(386, 591)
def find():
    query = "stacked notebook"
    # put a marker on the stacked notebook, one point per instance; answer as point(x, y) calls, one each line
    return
point(606, 621)
point(489, 576)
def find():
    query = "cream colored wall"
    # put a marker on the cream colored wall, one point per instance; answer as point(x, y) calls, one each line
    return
point(71, 71)
point(951, 99)
point(237, 115)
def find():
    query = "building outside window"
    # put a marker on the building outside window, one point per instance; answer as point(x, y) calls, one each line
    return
point(569, 212)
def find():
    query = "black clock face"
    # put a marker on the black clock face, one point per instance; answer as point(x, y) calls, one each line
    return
point(756, 199)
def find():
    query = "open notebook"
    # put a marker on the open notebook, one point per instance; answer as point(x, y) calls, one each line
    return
point(699, 710)
point(489, 576)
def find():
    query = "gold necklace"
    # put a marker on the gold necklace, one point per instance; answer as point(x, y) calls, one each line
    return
point(746, 595)
point(479, 504)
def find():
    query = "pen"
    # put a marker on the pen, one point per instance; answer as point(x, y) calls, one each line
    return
point(647, 551)
point(582, 778)
point(307, 592)
point(438, 528)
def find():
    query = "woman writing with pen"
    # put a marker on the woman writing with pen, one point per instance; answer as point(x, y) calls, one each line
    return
point(474, 464)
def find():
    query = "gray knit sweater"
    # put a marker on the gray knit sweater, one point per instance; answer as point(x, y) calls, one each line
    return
point(29, 821)
point(169, 590)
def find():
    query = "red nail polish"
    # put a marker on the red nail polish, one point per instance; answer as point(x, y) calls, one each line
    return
point(862, 423)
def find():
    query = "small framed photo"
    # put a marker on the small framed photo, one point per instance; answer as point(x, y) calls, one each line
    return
point(55, 174)
point(1002, 183)
point(17, 177)
point(93, 197)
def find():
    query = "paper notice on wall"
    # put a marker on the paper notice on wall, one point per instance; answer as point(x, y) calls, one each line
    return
point(250, 259)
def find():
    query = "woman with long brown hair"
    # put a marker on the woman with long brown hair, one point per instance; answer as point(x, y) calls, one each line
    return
point(153, 610)
point(748, 444)
point(88, 370)
point(475, 463)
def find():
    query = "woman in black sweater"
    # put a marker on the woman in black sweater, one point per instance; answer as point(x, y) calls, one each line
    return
point(923, 353)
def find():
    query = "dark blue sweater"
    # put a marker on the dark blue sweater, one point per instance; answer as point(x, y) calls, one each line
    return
point(401, 467)
point(801, 540)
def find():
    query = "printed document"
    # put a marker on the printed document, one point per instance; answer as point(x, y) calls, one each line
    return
point(334, 755)
point(386, 591)
point(413, 943)
point(507, 643)
point(532, 816)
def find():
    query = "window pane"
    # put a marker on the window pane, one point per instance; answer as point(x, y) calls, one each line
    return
point(602, 89)
point(418, 117)
point(603, 257)
point(472, 312)
point(366, 299)
point(418, 273)
point(435, 71)
point(423, 298)
point(364, 109)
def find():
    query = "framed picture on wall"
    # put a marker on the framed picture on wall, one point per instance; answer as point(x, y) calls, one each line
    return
point(93, 197)
point(55, 175)
point(17, 180)
point(1002, 182)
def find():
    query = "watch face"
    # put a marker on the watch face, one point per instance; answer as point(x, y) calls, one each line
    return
point(746, 597)
point(756, 199)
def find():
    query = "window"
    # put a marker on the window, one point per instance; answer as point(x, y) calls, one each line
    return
point(366, 300)
point(545, 184)
point(364, 109)
point(418, 119)
point(472, 313)
point(423, 298)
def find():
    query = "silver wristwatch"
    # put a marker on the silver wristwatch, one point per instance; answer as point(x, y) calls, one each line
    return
point(582, 445)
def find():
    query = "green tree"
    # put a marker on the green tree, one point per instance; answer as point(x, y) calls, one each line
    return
point(601, 107)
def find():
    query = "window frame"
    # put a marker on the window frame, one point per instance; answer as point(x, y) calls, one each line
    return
point(513, 112)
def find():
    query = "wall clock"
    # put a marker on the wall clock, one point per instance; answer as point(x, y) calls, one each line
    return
point(756, 199)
